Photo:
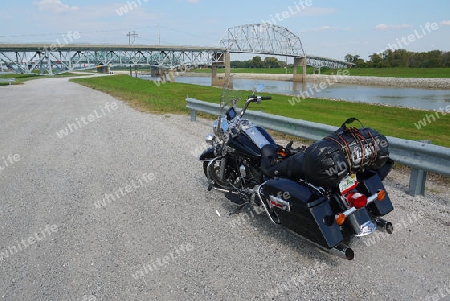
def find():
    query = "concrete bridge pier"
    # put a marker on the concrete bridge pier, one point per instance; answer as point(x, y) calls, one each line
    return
point(164, 73)
point(219, 80)
point(299, 62)
point(155, 71)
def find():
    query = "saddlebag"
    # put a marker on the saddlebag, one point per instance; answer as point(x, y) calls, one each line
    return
point(302, 209)
point(347, 150)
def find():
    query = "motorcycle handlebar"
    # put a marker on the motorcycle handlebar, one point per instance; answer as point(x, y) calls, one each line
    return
point(254, 98)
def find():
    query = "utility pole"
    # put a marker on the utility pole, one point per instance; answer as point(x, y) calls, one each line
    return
point(159, 36)
point(129, 35)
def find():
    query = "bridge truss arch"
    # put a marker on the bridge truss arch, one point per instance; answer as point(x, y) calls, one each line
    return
point(269, 39)
point(262, 38)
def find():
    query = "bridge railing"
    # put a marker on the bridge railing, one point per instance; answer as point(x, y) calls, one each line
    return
point(420, 156)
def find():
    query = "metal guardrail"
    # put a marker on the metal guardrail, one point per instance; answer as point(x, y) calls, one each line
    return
point(421, 156)
point(7, 80)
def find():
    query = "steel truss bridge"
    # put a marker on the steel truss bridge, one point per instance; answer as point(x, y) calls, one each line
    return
point(252, 38)
point(27, 57)
point(273, 40)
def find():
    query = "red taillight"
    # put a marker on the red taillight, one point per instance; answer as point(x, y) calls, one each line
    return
point(356, 199)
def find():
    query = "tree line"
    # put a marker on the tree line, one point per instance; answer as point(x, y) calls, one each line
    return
point(402, 58)
point(257, 62)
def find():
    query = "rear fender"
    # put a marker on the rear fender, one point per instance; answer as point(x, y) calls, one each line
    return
point(373, 184)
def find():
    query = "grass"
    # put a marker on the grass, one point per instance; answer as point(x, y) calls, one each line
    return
point(381, 72)
point(21, 78)
point(170, 98)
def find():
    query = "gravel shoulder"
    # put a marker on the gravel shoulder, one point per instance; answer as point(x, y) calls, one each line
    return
point(167, 238)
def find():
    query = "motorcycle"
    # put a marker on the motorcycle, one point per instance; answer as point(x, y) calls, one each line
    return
point(331, 207)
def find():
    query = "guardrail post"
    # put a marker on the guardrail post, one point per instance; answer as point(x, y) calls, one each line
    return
point(193, 115)
point(418, 179)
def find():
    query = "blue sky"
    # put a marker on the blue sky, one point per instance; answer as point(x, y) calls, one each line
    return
point(326, 28)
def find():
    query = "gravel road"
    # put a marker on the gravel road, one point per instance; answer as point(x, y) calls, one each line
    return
point(102, 202)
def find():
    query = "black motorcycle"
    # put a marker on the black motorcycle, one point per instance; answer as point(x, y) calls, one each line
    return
point(330, 193)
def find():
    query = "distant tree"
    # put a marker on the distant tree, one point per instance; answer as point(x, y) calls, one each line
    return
point(256, 62)
point(445, 59)
point(376, 61)
point(434, 58)
point(272, 62)
point(349, 58)
point(239, 64)
point(360, 63)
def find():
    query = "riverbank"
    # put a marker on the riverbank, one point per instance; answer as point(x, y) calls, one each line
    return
point(170, 98)
point(424, 83)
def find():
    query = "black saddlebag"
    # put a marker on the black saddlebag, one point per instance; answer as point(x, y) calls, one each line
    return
point(347, 150)
point(302, 209)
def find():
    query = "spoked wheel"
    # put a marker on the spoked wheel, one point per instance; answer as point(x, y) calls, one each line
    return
point(212, 172)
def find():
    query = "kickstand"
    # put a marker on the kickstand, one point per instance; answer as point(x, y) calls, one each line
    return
point(237, 210)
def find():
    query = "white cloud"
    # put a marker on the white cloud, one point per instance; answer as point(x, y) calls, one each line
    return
point(55, 6)
point(393, 26)
point(445, 22)
point(193, 1)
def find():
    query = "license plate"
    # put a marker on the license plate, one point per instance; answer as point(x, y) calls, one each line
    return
point(348, 183)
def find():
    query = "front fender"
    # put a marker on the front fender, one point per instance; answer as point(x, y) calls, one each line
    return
point(207, 155)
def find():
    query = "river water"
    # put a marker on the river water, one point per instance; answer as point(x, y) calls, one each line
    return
point(425, 99)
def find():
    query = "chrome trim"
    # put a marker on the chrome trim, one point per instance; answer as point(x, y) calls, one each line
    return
point(242, 171)
point(220, 126)
point(258, 192)
point(372, 198)
point(254, 134)
point(209, 139)
point(347, 212)
point(366, 229)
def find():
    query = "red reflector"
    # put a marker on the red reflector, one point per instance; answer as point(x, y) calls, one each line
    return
point(276, 204)
point(357, 200)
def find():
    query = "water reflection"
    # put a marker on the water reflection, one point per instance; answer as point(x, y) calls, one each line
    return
point(404, 97)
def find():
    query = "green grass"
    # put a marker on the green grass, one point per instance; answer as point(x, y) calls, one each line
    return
point(381, 72)
point(21, 78)
point(170, 98)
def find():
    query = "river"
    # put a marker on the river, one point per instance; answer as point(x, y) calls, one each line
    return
point(425, 99)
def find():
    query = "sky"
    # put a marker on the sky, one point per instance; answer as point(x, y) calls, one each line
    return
point(326, 28)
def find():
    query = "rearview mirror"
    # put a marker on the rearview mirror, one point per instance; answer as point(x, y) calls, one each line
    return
point(259, 88)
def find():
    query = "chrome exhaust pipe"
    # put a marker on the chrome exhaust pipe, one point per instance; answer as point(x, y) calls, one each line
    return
point(343, 251)
point(384, 225)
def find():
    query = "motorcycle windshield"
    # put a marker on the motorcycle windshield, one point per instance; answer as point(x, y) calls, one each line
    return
point(228, 100)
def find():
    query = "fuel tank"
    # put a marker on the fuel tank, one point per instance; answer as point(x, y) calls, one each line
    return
point(250, 140)
point(302, 209)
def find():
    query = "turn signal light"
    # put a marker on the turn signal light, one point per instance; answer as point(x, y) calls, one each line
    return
point(340, 219)
point(381, 194)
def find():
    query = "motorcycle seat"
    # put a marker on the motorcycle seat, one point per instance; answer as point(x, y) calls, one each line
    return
point(291, 167)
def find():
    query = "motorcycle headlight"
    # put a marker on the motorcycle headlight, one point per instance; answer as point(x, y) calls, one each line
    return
point(209, 139)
